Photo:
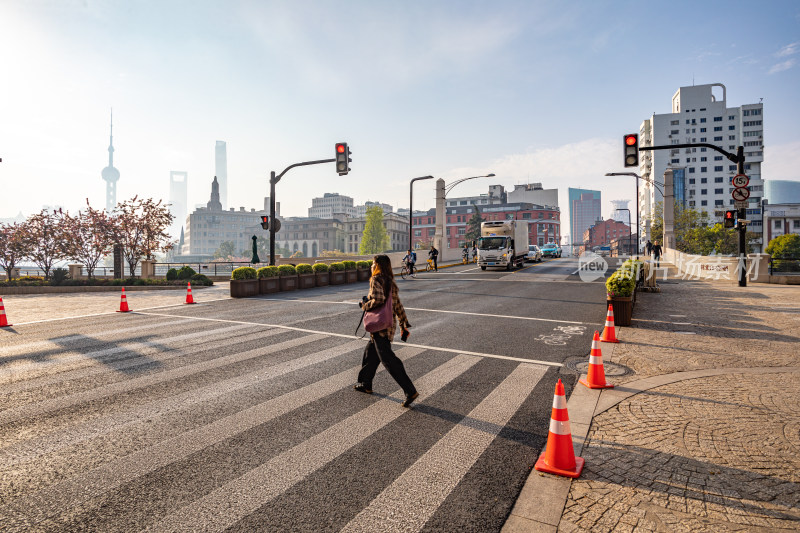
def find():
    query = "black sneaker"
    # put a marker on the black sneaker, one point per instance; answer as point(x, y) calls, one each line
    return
point(410, 398)
point(360, 387)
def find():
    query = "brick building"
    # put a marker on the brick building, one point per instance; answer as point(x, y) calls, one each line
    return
point(602, 232)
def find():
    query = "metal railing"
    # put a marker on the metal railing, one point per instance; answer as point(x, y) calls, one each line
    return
point(787, 264)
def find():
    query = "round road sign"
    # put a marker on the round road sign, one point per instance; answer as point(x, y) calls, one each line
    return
point(740, 180)
point(740, 194)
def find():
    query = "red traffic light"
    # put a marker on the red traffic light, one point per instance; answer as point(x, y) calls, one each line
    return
point(729, 214)
point(631, 140)
point(340, 148)
point(264, 219)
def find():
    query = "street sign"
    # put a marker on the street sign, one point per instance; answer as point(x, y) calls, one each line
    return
point(740, 204)
point(276, 223)
point(740, 194)
point(740, 180)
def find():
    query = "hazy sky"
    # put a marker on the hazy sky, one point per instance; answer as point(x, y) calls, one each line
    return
point(532, 91)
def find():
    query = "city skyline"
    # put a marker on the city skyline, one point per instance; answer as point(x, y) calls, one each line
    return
point(418, 90)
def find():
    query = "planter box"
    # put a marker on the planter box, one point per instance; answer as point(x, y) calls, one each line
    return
point(244, 288)
point(288, 283)
point(323, 278)
point(623, 310)
point(306, 281)
point(363, 274)
point(268, 285)
point(351, 275)
point(338, 277)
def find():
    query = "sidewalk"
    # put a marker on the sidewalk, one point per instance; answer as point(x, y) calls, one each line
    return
point(704, 435)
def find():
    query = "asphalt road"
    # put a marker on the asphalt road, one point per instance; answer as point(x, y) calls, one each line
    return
point(240, 415)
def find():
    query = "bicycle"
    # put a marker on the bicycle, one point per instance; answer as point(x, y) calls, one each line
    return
point(429, 266)
point(408, 270)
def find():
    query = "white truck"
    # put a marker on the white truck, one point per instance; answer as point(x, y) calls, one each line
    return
point(503, 243)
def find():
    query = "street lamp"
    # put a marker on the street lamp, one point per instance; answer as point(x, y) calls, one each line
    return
point(449, 188)
point(411, 209)
point(638, 177)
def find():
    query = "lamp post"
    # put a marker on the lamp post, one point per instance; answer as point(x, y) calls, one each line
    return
point(638, 177)
point(411, 209)
point(444, 191)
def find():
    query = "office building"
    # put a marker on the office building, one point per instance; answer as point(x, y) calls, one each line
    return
point(396, 225)
point(330, 204)
point(221, 171)
point(782, 191)
point(584, 210)
point(178, 184)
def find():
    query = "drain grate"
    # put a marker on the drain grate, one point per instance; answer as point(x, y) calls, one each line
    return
point(581, 366)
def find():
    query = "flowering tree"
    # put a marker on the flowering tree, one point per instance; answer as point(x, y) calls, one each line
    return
point(46, 239)
point(90, 236)
point(12, 246)
point(140, 226)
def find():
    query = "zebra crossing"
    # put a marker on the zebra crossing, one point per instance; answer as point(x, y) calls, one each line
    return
point(252, 428)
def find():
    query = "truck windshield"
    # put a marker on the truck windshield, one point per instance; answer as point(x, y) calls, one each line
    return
point(491, 243)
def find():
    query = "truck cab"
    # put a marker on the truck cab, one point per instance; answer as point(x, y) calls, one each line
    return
point(502, 244)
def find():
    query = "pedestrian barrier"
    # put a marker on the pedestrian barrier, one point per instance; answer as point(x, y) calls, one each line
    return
point(3, 320)
point(189, 298)
point(123, 304)
point(559, 455)
point(609, 333)
point(596, 376)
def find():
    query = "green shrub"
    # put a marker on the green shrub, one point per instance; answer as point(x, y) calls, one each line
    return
point(172, 274)
point(267, 272)
point(186, 272)
point(363, 264)
point(620, 283)
point(304, 268)
point(287, 270)
point(320, 267)
point(349, 265)
point(337, 266)
point(58, 276)
point(244, 273)
point(201, 279)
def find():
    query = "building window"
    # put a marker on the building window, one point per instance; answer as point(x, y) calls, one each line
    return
point(718, 180)
point(796, 224)
point(717, 119)
point(703, 180)
point(703, 191)
point(731, 128)
point(719, 203)
point(731, 117)
point(718, 169)
point(703, 169)
point(703, 202)
point(718, 191)
point(732, 167)
point(717, 128)
point(673, 132)
point(717, 138)
point(674, 122)
point(752, 133)
point(691, 170)
point(753, 123)
point(691, 181)
point(777, 224)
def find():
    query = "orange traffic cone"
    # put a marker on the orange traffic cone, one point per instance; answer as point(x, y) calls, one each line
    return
point(559, 456)
point(596, 376)
point(609, 333)
point(189, 299)
point(3, 320)
point(123, 304)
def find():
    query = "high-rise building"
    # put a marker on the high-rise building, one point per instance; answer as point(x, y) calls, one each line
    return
point(702, 176)
point(178, 182)
point(110, 174)
point(221, 171)
point(584, 210)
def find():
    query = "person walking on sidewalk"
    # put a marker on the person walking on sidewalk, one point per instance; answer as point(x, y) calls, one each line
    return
point(657, 253)
point(648, 246)
point(434, 255)
point(379, 347)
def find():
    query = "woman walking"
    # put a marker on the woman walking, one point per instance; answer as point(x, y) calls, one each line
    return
point(379, 348)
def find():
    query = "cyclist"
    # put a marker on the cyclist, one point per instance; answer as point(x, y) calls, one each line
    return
point(465, 255)
point(433, 254)
point(409, 259)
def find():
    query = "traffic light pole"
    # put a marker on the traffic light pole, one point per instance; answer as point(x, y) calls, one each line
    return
point(273, 179)
point(737, 158)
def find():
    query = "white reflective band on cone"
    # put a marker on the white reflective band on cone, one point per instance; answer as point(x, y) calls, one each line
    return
point(595, 345)
point(559, 427)
point(609, 324)
point(559, 402)
point(595, 360)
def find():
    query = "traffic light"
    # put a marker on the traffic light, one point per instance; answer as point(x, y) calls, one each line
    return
point(730, 218)
point(342, 158)
point(631, 149)
point(265, 222)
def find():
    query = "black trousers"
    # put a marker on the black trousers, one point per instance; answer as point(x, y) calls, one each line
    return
point(379, 350)
point(435, 265)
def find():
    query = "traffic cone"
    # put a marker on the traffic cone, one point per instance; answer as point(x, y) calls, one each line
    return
point(123, 304)
point(3, 320)
point(596, 376)
point(189, 299)
point(559, 455)
point(609, 333)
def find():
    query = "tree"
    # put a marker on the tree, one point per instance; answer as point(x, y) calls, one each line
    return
point(12, 246)
point(225, 250)
point(141, 228)
point(45, 238)
point(375, 238)
point(784, 246)
point(474, 225)
point(90, 237)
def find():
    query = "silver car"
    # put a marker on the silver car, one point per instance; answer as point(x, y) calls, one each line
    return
point(534, 254)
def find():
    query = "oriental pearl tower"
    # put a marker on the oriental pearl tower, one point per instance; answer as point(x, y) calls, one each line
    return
point(111, 174)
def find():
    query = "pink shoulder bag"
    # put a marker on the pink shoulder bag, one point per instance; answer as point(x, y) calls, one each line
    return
point(380, 319)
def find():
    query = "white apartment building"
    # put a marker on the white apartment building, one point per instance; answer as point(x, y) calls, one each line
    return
point(534, 193)
point(702, 176)
point(330, 204)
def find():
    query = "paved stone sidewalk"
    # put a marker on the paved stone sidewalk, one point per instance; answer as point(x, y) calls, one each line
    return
point(703, 435)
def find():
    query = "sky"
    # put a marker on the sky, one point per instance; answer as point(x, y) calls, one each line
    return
point(532, 91)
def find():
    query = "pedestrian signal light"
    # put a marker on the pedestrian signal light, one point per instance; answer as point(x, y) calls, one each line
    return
point(265, 222)
point(342, 158)
point(631, 149)
point(730, 219)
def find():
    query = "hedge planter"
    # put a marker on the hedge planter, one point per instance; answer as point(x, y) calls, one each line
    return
point(244, 288)
point(269, 285)
point(323, 279)
point(363, 274)
point(623, 310)
point(338, 277)
point(351, 276)
point(288, 283)
point(307, 281)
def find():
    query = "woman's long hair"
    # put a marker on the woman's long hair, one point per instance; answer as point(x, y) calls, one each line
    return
point(384, 265)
